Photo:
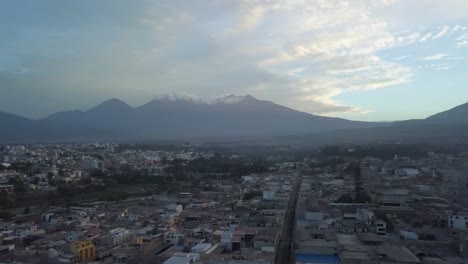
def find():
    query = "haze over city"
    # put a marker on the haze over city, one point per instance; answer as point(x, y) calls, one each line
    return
point(364, 60)
point(234, 132)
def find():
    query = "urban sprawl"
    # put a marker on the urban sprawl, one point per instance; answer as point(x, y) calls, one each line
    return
point(182, 204)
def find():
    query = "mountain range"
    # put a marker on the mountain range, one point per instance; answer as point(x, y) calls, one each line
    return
point(182, 117)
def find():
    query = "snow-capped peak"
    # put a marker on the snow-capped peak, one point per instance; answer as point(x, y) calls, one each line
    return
point(226, 99)
point(229, 99)
point(178, 97)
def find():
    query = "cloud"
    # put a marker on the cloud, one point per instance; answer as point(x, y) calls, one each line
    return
point(456, 28)
point(442, 32)
point(409, 39)
point(426, 37)
point(401, 57)
point(300, 53)
point(251, 16)
point(462, 40)
point(436, 56)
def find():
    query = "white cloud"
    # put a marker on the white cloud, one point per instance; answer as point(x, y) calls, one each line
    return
point(301, 53)
point(401, 57)
point(462, 41)
point(456, 28)
point(250, 17)
point(409, 39)
point(442, 32)
point(297, 51)
point(426, 37)
point(436, 56)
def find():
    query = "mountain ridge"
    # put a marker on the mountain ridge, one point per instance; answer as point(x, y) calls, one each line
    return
point(185, 117)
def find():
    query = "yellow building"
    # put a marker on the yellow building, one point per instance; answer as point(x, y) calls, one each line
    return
point(85, 250)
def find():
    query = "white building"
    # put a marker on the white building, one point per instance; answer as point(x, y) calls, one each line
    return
point(173, 238)
point(120, 235)
point(315, 216)
point(183, 258)
point(408, 235)
point(200, 248)
point(26, 230)
point(365, 215)
point(458, 221)
point(269, 195)
point(175, 207)
point(226, 240)
point(74, 235)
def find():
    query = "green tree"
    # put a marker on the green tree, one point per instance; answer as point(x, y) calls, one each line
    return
point(97, 173)
point(18, 185)
point(345, 198)
point(26, 211)
point(4, 201)
point(52, 198)
point(36, 180)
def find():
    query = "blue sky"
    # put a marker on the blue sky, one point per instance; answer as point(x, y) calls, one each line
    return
point(362, 59)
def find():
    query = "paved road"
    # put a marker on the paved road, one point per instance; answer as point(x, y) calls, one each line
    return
point(285, 250)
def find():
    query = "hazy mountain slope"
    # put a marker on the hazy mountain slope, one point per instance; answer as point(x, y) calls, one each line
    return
point(13, 127)
point(455, 115)
point(183, 118)
point(230, 116)
point(175, 117)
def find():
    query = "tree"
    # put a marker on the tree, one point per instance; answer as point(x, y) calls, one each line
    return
point(6, 216)
point(26, 211)
point(345, 198)
point(250, 195)
point(359, 194)
point(362, 198)
point(51, 198)
point(86, 181)
point(97, 173)
point(36, 180)
point(4, 202)
point(260, 220)
point(18, 185)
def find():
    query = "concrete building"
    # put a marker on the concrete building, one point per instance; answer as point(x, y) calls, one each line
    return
point(85, 250)
point(458, 221)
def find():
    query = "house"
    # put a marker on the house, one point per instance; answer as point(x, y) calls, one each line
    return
point(381, 227)
point(183, 258)
point(200, 248)
point(26, 230)
point(82, 209)
point(458, 220)
point(85, 250)
point(175, 207)
point(8, 188)
point(173, 238)
point(74, 235)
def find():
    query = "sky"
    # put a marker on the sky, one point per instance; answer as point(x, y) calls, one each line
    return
point(372, 60)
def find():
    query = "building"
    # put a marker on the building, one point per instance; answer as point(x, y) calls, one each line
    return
point(173, 238)
point(183, 258)
point(82, 209)
point(8, 188)
point(120, 235)
point(85, 250)
point(458, 221)
point(381, 227)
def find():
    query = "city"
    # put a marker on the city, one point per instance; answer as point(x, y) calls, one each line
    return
point(234, 132)
point(131, 203)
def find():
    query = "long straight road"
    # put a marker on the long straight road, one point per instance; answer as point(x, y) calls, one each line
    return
point(285, 249)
